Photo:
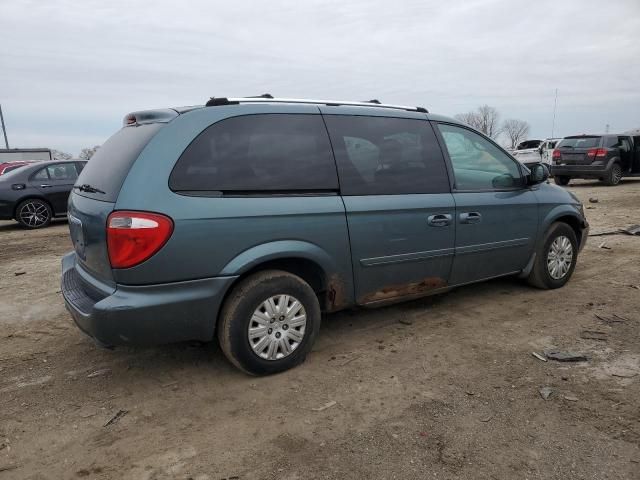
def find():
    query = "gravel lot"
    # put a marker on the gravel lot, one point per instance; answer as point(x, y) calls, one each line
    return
point(444, 387)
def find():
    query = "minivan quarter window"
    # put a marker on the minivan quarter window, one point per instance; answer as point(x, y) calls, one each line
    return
point(477, 163)
point(386, 155)
point(258, 153)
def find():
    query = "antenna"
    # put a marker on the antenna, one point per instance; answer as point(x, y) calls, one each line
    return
point(4, 129)
point(555, 104)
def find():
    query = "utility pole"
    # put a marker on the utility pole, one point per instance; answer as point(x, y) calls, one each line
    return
point(4, 129)
point(555, 104)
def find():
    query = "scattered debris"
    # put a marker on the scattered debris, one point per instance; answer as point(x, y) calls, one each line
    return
point(561, 356)
point(6, 468)
point(637, 287)
point(423, 434)
point(593, 200)
point(325, 406)
point(169, 384)
point(486, 419)
point(17, 274)
point(538, 356)
point(594, 335)
point(624, 374)
point(116, 418)
point(604, 245)
point(570, 398)
point(349, 360)
point(546, 392)
point(404, 321)
point(99, 373)
point(631, 230)
point(612, 319)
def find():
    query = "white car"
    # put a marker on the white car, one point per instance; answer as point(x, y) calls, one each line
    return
point(546, 149)
point(528, 152)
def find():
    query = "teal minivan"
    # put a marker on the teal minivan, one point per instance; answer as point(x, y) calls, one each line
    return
point(247, 218)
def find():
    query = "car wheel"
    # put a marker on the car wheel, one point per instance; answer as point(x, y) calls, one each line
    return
point(269, 322)
point(614, 175)
point(34, 213)
point(561, 180)
point(555, 258)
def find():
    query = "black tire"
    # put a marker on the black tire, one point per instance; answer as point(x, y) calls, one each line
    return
point(614, 175)
point(540, 276)
point(34, 213)
point(561, 180)
point(237, 315)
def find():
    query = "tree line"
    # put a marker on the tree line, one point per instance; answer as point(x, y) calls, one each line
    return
point(85, 153)
point(487, 120)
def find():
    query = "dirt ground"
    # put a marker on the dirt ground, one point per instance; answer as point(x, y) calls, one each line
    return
point(445, 387)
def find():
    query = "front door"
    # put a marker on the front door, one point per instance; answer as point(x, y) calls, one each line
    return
point(400, 212)
point(496, 213)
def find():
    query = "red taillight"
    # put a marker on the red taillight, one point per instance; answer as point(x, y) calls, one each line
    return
point(597, 152)
point(556, 153)
point(133, 237)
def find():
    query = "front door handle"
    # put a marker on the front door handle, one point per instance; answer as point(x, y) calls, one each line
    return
point(470, 217)
point(46, 185)
point(439, 220)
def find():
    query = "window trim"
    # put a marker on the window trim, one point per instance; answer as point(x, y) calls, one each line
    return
point(233, 193)
point(451, 171)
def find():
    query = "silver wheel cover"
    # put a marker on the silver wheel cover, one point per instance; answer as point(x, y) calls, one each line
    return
point(277, 327)
point(559, 257)
point(34, 214)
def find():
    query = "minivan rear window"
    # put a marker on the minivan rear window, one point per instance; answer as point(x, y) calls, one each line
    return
point(111, 163)
point(276, 153)
point(579, 142)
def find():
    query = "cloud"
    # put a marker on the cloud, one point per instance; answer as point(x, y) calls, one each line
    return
point(72, 70)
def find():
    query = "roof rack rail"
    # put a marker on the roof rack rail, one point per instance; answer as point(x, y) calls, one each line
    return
point(216, 101)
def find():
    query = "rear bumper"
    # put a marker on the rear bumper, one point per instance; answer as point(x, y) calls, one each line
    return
point(579, 171)
point(142, 315)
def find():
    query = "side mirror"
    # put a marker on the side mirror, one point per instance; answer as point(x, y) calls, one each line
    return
point(538, 173)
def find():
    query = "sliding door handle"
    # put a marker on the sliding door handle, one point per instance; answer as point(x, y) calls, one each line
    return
point(470, 217)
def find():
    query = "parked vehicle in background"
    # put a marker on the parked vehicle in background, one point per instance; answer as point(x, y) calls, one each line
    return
point(33, 194)
point(527, 152)
point(546, 150)
point(25, 154)
point(607, 157)
point(6, 167)
point(262, 213)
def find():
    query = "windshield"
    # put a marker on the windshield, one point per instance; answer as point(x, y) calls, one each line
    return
point(579, 142)
point(12, 171)
point(528, 144)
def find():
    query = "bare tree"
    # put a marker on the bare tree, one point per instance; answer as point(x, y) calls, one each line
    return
point(516, 130)
point(59, 155)
point(485, 118)
point(87, 153)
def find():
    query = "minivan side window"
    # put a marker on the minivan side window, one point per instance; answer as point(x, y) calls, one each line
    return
point(477, 163)
point(386, 156)
point(258, 153)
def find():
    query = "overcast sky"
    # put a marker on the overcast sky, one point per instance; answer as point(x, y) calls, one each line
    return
point(70, 70)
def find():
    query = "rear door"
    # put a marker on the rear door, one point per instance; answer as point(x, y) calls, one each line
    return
point(575, 150)
point(62, 176)
point(398, 203)
point(496, 214)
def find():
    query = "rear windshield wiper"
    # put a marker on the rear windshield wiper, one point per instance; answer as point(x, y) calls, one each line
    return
point(88, 188)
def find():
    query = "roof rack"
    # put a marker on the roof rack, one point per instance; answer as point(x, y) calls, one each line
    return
point(266, 98)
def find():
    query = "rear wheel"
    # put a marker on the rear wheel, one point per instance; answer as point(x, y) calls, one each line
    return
point(561, 180)
point(614, 175)
point(555, 258)
point(34, 213)
point(269, 322)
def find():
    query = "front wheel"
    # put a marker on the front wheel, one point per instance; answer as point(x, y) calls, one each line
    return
point(555, 258)
point(34, 213)
point(269, 322)
point(614, 175)
point(561, 180)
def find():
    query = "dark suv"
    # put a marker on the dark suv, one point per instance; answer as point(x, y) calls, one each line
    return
point(605, 157)
point(246, 218)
